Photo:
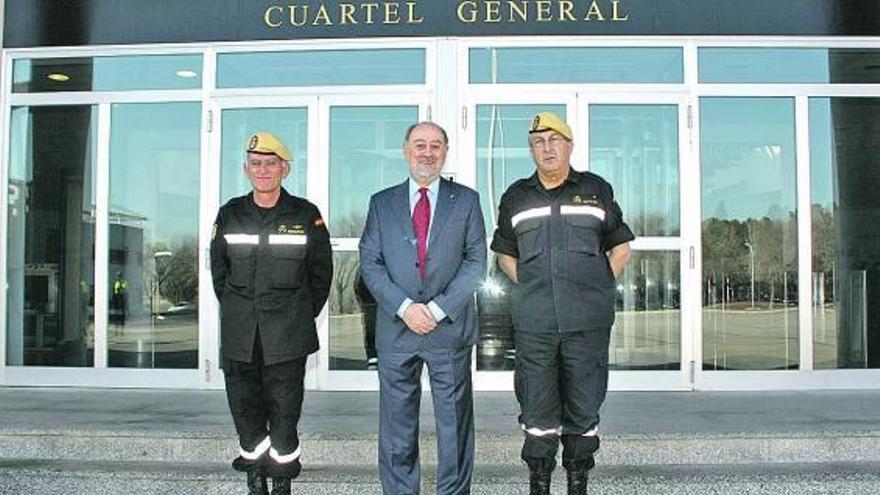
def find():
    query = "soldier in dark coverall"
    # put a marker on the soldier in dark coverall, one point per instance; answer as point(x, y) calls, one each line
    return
point(271, 263)
point(561, 238)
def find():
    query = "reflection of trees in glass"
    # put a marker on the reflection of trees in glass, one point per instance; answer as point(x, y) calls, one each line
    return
point(728, 260)
point(349, 226)
point(342, 296)
point(176, 276)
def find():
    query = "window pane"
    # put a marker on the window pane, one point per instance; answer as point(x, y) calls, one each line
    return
point(288, 124)
point(647, 328)
point(366, 155)
point(51, 235)
point(352, 317)
point(321, 68)
point(749, 231)
point(635, 148)
point(576, 65)
point(788, 65)
point(502, 158)
point(846, 225)
point(154, 215)
point(107, 73)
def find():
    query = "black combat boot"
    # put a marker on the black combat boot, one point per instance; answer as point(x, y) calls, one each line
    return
point(280, 486)
point(256, 483)
point(578, 473)
point(540, 472)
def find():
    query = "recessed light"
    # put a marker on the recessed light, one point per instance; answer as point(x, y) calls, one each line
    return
point(57, 76)
point(187, 73)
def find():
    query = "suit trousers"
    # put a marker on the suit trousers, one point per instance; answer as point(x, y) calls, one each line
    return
point(400, 392)
point(265, 401)
point(560, 383)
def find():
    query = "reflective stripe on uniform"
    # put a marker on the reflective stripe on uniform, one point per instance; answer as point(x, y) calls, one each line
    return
point(544, 211)
point(284, 459)
point(242, 239)
point(583, 210)
point(258, 450)
point(538, 432)
point(289, 239)
point(592, 433)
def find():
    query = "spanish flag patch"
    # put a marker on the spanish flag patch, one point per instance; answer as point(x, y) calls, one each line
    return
point(319, 222)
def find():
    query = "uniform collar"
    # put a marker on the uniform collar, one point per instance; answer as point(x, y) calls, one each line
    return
point(573, 176)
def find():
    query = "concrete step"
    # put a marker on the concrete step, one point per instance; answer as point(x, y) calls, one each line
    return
point(57, 477)
point(491, 448)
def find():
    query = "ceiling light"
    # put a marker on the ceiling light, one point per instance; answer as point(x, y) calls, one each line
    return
point(57, 76)
point(187, 73)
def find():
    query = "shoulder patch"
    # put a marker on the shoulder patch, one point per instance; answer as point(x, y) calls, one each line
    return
point(319, 222)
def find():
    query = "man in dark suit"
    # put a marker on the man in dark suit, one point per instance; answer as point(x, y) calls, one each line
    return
point(423, 254)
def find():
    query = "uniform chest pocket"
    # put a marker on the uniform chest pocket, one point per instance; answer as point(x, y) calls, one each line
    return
point(241, 264)
point(583, 233)
point(529, 239)
point(288, 254)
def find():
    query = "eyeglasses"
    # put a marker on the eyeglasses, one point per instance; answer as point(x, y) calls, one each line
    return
point(553, 141)
point(271, 164)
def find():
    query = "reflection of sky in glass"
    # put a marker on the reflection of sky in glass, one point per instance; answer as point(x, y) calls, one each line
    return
point(788, 65)
point(502, 141)
point(773, 65)
point(154, 168)
point(635, 148)
point(821, 153)
point(321, 68)
point(366, 155)
point(290, 125)
point(577, 65)
point(747, 152)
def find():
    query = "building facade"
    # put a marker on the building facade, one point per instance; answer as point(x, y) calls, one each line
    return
point(741, 138)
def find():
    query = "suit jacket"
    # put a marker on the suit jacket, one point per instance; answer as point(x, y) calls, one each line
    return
point(455, 265)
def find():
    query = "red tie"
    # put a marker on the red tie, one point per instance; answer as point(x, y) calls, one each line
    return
point(421, 221)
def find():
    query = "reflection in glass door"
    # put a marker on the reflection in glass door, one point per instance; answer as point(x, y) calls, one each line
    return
point(635, 147)
point(153, 268)
point(365, 152)
point(749, 233)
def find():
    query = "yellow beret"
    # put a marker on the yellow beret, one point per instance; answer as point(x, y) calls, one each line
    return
point(549, 121)
point(265, 143)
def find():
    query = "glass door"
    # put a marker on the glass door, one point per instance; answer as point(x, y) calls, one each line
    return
point(637, 144)
point(362, 153)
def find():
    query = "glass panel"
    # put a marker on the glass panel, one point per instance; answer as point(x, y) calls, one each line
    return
point(749, 232)
point(352, 317)
point(321, 68)
point(576, 65)
point(51, 234)
point(289, 124)
point(107, 73)
point(647, 328)
point(502, 158)
point(789, 65)
point(844, 139)
point(154, 216)
point(366, 155)
point(635, 148)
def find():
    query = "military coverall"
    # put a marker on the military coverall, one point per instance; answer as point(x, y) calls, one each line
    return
point(272, 270)
point(563, 309)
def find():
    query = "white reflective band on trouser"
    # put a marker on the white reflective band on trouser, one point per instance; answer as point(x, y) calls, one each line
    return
point(538, 432)
point(583, 210)
point(284, 459)
point(241, 239)
point(533, 213)
point(290, 239)
point(258, 451)
point(592, 433)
